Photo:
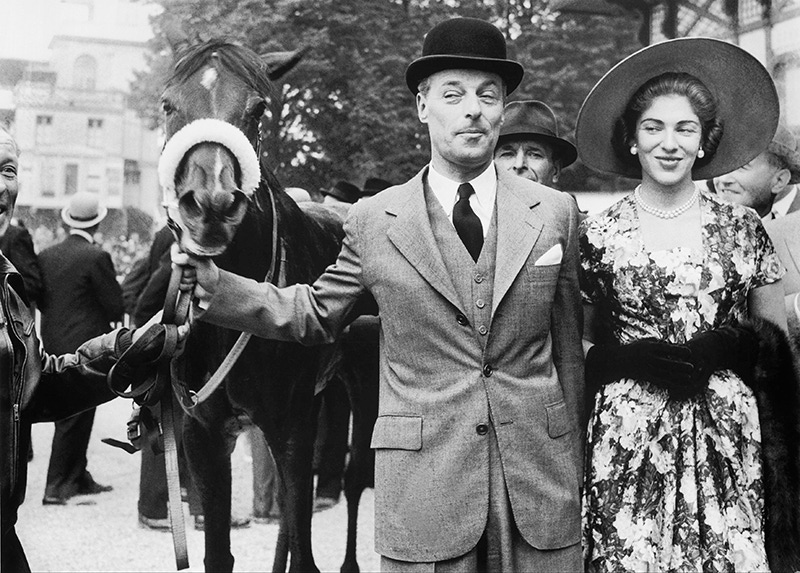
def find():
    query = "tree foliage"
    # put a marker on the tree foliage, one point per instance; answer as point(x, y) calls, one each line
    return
point(346, 112)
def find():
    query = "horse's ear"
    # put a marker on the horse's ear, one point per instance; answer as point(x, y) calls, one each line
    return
point(279, 63)
point(176, 37)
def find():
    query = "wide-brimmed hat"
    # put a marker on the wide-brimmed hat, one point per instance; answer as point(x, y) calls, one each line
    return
point(344, 191)
point(374, 185)
point(464, 43)
point(784, 144)
point(84, 210)
point(747, 102)
point(534, 119)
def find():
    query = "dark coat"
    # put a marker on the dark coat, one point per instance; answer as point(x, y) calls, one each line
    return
point(37, 387)
point(17, 245)
point(136, 285)
point(82, 296)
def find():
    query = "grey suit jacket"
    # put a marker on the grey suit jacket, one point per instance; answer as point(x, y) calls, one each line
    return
point(437, 384)
point(785, 234)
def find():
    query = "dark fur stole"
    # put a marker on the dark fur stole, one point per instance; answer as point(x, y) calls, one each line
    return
point(777, 391)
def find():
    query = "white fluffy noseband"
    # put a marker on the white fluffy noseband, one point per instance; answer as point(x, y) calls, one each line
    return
point(216, 131)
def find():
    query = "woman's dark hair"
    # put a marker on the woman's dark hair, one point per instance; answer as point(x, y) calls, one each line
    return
point(701, 99)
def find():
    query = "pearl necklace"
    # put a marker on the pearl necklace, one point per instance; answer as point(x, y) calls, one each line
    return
point(661, 213)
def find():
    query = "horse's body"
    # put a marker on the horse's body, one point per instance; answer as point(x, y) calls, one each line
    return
point(273, 383)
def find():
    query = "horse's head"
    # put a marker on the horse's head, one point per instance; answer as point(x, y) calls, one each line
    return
point(214, 104)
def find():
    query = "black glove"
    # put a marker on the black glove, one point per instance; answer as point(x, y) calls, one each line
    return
point(138, 362)
point(725, 348)
point(664, 364)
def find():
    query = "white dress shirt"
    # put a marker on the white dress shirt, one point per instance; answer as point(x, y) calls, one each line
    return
point(482, 201)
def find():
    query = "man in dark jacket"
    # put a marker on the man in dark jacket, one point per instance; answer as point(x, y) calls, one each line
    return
point(81, 300)
point(17, 245)
point(34, 386)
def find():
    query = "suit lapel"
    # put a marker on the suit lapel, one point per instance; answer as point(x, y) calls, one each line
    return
point(412, 235)
point(518, 228)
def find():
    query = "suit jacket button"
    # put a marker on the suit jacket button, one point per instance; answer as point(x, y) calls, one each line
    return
point(482, 329)
point(478, 278)
point(481, 429)
point(480, 303)
point(487, 370)
point(462, 320)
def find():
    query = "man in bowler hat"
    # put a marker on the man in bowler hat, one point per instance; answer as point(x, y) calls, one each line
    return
point(475, 275)
point(81, 299)
point(529, 144)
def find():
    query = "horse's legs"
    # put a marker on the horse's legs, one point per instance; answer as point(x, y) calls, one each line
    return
point(361, 381)
point(209, 454)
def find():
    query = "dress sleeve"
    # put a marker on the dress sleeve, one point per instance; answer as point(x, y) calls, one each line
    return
point(769, 268)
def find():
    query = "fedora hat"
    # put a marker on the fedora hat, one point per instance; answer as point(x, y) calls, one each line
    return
point(374, 185)
point(83, 210)
point(464, 43)
point(784, 145)
point(526, 119)
point(344, 191)
point(746, 97)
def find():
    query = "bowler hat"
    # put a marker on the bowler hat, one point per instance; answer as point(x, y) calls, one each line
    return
point(784, 145)
point(83, 210)
point(344, 191)
point(747, 103)
point(374, 185)
point(534, 119)
point(464, 43)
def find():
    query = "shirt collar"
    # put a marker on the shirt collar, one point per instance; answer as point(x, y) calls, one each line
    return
point(82, 233)
point(781, 207)
point(446, 190)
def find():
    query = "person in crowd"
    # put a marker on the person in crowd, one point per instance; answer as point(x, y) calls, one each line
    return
point(682, 470)
point(374, 185)
point(134, 283)
point(341, 193)
point(758, 183)
point(529, 144)
point(475, 275)
point(17, 245)
point(785, 234)
point(81, 299)
point(39, 387)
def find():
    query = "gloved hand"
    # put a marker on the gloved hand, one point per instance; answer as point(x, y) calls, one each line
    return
point(727, 347)
point(664, 364)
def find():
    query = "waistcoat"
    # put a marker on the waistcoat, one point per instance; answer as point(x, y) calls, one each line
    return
point(474, 281)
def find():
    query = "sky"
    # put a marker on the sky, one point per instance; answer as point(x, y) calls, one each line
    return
point(30, 24)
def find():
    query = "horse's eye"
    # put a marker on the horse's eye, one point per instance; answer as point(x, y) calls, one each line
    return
point(167, 107)
point(258, 108)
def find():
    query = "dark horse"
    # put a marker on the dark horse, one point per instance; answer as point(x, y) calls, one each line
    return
point(273, 383)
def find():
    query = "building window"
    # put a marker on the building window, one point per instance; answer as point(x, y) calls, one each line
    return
point(94, 133)
point(70, 178)
point(47, 180)
point(85, 73)
point(113, 181)
point(44, 129)
point(132, 172)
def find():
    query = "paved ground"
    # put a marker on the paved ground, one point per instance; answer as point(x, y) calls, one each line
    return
point(100, 532)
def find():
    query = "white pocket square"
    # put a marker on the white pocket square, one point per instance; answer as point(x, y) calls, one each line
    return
point(551, 257)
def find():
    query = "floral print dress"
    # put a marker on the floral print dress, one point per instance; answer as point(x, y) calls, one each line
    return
point(673, 485)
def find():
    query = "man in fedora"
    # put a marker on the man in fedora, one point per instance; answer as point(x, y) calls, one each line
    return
point(770, 175)
point(529, 144)
point(374, 185)
point(342, 193)
point(81, 300)
point(475, 275)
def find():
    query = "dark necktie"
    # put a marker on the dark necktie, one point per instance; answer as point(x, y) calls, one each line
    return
point(467, 224)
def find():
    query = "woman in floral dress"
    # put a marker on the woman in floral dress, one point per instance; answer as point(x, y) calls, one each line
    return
point(673, 462)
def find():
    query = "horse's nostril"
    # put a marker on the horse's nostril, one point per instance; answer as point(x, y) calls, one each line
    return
point(238, 206)
point(189, 204)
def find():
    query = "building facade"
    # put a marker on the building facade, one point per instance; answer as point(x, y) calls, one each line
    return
point(71, 116)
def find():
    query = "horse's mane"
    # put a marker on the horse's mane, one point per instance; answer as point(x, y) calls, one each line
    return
point(241, 61)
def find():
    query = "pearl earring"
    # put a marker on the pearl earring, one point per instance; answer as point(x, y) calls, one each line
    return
point(700, 153)
point(633, 150)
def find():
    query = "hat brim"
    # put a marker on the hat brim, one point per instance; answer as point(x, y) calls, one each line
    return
point(510, 71)
point(747, 102)
point(80, 223)
point(562, 148)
